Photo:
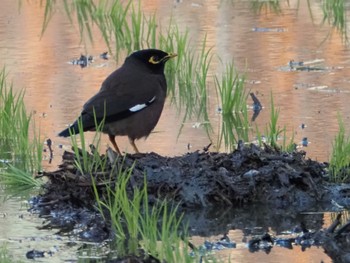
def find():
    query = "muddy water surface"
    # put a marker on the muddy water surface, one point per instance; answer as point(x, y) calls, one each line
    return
point(260, 44)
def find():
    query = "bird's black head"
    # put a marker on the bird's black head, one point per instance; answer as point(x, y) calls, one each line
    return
point(152, 59)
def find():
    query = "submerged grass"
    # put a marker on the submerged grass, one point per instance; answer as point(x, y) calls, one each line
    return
point(21, 155)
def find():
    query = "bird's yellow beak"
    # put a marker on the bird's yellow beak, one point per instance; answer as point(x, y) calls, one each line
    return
point(171, 55)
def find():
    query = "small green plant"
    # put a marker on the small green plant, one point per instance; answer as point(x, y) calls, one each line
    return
point(137, 225)
point(85, 162)
point(21, 155)
point(137, 24)
point(273, 132)
point(118, 22)
point(231, 92)
point(234, 127)
point(201, 77)
point(151, 35)
point(288, 145)
point(233, 100)
point(166, 41)
point(186, 86)
point(192, 79)
point(17, 180)
point(339, 166)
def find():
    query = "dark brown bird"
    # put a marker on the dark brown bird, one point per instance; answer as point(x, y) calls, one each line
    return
point(130, 100)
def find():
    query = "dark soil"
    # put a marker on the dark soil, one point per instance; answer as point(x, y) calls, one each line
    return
point(249, 176)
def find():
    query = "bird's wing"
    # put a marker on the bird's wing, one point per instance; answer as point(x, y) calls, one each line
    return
point(121, 96)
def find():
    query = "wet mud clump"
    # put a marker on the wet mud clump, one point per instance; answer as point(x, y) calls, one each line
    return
point(336, 241)
point(250, 175)
point(202, 179)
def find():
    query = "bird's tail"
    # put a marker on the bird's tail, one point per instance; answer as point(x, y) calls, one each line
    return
point(73, 130)
point(85, 121)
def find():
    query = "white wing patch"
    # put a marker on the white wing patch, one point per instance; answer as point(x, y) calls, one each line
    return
point(139, 107)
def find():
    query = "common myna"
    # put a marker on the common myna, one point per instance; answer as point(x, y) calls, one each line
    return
point(130, 100)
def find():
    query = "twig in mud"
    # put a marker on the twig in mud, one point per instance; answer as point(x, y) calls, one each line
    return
point(206, 148)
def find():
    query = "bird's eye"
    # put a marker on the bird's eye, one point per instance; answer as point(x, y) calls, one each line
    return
point(154, 60)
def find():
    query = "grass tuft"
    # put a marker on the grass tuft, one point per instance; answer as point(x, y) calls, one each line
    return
point(21, 157)
point(339, 166)
point(86, 162)
point(155, 229)
point(272, 130)
point(231, 92)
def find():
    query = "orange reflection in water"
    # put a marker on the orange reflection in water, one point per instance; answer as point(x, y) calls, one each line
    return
point(56, 90)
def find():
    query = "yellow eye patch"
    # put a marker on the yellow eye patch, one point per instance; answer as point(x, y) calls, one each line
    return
point(154, 60)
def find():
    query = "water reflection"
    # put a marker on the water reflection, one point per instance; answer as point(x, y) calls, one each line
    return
point(243, 224)
point(216, 221)
point(18, 230)
point(56, 91)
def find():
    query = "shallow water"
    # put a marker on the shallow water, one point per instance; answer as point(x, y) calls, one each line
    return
point(19, 233)
point(242, 225)
point(260, 44)
point(56, 90)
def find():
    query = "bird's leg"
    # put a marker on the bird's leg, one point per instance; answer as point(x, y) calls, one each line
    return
point(112, 139)
point(132, 142)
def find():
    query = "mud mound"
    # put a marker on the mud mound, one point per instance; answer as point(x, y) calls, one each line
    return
point(248, 176)
point(202, 179)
